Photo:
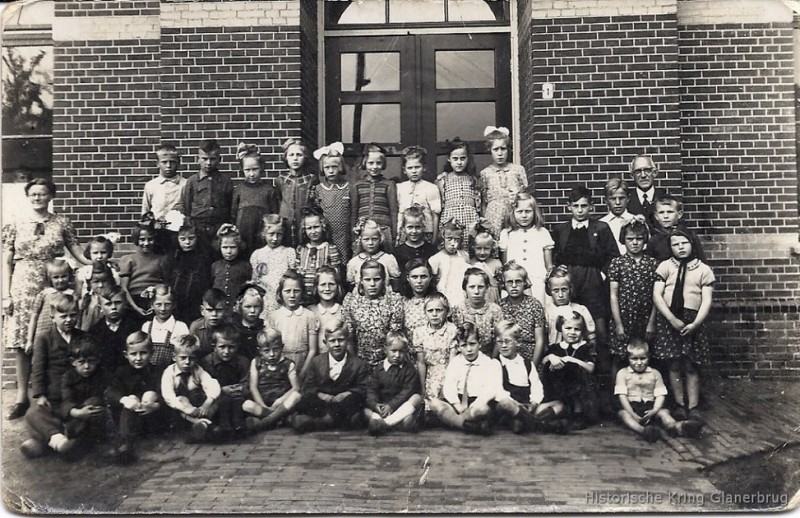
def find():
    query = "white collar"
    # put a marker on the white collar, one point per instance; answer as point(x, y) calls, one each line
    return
point(511, 361)
point(626, 216)
point(333, 310)
point(387, 365)
point(170, 322)
point(580, 224)
point(651, 194)
point(564, 345)
point(332, 361)
point(433, 331)
point(646, 370)
point(175, 179)
point(288, 312)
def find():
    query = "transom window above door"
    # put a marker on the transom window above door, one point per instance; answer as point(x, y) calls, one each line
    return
point(372, 12)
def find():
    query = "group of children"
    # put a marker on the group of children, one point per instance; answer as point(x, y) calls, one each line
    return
point(320, 303)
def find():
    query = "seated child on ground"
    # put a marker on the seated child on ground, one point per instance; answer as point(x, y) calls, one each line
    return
point(229, 368)
point(189, 390)
point(82, 414)
point(274, 385)
point(132, 394)
point(335, 386)
point(569, 387)
point(393, 395)
point(522, 390)
point(51, 360)
point(471, 382)
point(641, 394)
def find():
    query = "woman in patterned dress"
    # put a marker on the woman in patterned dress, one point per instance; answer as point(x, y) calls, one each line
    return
point(29, 241)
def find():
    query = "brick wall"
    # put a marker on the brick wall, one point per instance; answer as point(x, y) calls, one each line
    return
point(616, 95)
point(106, 111)
point(231, 71)
point(738, 157)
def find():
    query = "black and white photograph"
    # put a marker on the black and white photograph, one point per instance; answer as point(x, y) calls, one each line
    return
point(400, 256)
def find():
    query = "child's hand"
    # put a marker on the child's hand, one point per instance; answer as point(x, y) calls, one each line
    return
point(650, 331)
point(130, 402)
point(620, 329)
point(338, 398)
point(195, 412)
point(556, 363)
point(234, 391)
point(648, 416)
point(689, 329)
point(43, 402)
point(205, 408)
point(677, 324)
point(28, 347)
point(384, 410)
point(142, 312)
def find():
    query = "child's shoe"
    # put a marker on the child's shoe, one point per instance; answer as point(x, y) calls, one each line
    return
point(302, 423)
point(651, 433)
point(680, 413)
point(252, 424)
point(546, 414)
point(695, 415)
point(690, 428)
point(32, 448)
point(199, 430)
point(125, 455)
point(517, 426)
point(377, 427)
point(472, 427)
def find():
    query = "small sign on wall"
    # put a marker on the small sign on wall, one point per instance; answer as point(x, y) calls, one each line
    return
point(548, 89)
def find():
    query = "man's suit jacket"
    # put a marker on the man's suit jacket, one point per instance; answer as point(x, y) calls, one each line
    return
point(635, 206)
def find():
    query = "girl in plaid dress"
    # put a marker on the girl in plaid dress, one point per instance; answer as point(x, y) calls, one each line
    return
point(165, 332)
point(460, 188)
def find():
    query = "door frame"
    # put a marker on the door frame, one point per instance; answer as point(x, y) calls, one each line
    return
point(511, 30)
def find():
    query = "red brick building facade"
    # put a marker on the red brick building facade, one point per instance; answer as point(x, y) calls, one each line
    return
point(705, 86)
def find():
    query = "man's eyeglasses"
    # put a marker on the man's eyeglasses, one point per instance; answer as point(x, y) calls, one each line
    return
point(644, 172)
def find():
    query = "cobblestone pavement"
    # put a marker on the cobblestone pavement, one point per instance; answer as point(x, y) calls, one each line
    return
point(603, 468)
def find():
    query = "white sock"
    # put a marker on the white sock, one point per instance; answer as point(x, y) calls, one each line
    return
point(58, 442)
point(405, 410)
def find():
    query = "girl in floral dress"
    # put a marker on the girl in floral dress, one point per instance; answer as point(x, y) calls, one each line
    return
point(434, 344)
point(476, 309)
point(500, 181)
point(460, 188)
point(418, 282)
point(272, 261)
point(371, 311)
point(524, 310)
point(332, 195)
point(631, 279)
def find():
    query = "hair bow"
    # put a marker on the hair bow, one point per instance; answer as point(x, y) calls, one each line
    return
point(491, 129)
point(455, 222)
point(359, 226)
point(227, 228)
point(113, 237)
point(250, 286)
point(148, 220)
point(148, 293)
point(480, 226)
point(311, 210)
point(335, 148)
point(414, 150)
point(290, 141)
point(242, 150)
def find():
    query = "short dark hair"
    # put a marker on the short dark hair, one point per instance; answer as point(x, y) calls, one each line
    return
point(51, 186)
point(84, 348)
point(214, 296)
point(209, 146)
point(579, 191)
point(226, 332)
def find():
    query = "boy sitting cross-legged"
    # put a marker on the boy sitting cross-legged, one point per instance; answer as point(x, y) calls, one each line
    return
point(394, 398)
point(189, 390)
point(229, 368)
point(133, 396)
point(335, 385)
point(641, 394)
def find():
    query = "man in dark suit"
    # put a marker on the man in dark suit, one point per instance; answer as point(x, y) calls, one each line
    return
point(641, 199)
point(335, 386)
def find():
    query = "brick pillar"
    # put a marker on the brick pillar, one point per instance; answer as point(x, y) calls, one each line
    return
point(106, 109)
